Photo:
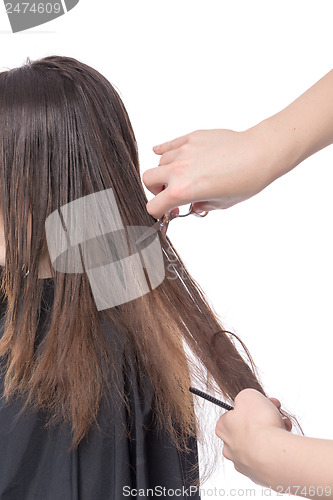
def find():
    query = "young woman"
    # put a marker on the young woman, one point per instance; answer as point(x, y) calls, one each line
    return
point(96, 403)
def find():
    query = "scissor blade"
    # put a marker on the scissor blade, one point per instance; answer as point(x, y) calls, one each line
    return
point(155, 227)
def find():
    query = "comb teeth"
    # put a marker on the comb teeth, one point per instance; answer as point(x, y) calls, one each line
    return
point(211, 399)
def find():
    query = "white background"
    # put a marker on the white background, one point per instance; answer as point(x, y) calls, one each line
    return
point(265, 264)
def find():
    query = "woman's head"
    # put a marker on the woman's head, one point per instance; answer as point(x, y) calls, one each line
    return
point(58, 111)
point(65, 134)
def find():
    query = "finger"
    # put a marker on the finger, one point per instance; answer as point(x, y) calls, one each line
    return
point(275, 402)
point(155, 178)
point(156, 189)
point(168, 146)
point(219, 428)
point(200, 206)
point(159, 205)
point(168, 157)
point(226, 452)
point(287, 423)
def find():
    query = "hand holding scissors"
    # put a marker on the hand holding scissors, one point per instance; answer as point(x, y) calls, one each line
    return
point(162, 224)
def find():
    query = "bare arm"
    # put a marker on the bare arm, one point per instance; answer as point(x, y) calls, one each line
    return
point(298, 465)
point(257, 441)
point(218, 168)
point(301, 129)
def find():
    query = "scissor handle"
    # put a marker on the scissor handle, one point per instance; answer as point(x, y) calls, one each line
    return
point(191, 211)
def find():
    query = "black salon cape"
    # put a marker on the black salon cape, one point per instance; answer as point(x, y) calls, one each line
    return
point(106, 465)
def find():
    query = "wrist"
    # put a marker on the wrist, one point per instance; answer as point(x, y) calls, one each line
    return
point(258, 458)
point(278, 145)
point(273, 457)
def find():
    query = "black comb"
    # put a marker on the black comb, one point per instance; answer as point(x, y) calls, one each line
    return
point(211, 399)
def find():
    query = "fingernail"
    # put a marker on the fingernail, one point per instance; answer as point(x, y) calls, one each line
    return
point(157, 147)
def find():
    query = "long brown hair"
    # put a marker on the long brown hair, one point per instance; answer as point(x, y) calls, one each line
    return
point(64, 134)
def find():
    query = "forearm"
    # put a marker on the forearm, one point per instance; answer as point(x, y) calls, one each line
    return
point(298, 131)
point(296, 464)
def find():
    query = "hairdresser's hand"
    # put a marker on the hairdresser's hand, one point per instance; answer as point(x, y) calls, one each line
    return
point(258, 443)
point(213, 168)
point(246, 432)
point(219, 168)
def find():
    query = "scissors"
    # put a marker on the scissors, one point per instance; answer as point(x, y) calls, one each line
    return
point(163, 223)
